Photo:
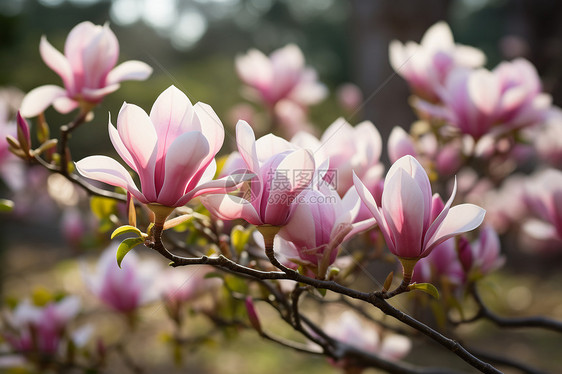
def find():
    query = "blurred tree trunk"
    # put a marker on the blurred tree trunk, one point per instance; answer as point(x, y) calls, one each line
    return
point(374, 24)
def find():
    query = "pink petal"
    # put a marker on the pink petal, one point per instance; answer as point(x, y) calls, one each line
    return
point(99, 93)
point(228, 207)
point(369, 141)
point(371, 204)
point(217, 186)
point(461, 218)
point(39, 99)
point(414, 169)
point(400, 144)
point(246, 142)
point(183, 160)
point(270, 145)
point(359, 227)
point(484, 91)
point(403, 210)
point(211, 127)
point(107, 170)
point(129, 70)
point(299, 168)
point(77, 40)
point(65, 104)
point(444, 210)
point(119, 146)
point(57, 62)
point(99, 56)
point(139, 136)
point(301, 228)
point(438, 37)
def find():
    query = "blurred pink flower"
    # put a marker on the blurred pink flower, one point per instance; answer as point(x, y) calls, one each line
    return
point(443, 261)
point(411, 220)
point(282, 75)
point(349, 97)
point(281, 173)
point(87, 69)
point(350, 329)
point(172, 151)
point(320, 223)
point(543, 197)
point(483, 255)
point(40, 328)
point(427, 65)
point(400, 144)
point(350, 149)
point(479, 101)
point(127, 288)
point(548, 140)
point(181, 285)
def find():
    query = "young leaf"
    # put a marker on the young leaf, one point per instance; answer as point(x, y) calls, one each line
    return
point(239, 237)
point(126, 229)
point(425, 287)
point(125, 246)
point(6, 205)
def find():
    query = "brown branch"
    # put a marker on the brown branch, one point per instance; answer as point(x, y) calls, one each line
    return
point(515, 322)
point(376, 299)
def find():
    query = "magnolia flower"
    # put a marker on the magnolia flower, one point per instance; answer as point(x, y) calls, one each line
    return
point(483, 255)
point(411, 220)
point(40, 328)
point(349, 97)
point(281, 174)
point(87, 69)
point(349, 329)
point(548, 140)
point(400, 144)
point(543, 197)
point(478, 101)
point(177, 286)
point(441, 264)
point(172, 151)
point(320, 223)
point(427, 65)
point(281, 76)
point(349, 149)
point(123, 289)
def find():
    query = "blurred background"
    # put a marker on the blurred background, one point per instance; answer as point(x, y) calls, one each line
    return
point(192, 44)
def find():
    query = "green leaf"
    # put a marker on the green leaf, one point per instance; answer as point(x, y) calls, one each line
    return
point(6, 205)
point(425, 287)
point(126, 229)
point(239, 237)
point(103, 207)
point(125, 246)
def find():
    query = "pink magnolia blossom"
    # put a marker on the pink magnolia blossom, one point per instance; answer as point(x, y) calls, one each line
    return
point(483, 255)
point(407, 208)
point(172, 151)
point(177, 286)
point(319, 225)
point(349, 149)
point(427, 65)
point(349, 97)
point(87, 69)
point(282, 75)
point(351, 330)
point(548, 140)
point(123, 289)
point(281, 174)
point(400, 144)
point(40, 328)
point(543, 197)
point(443, 262)
point(479, 101)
